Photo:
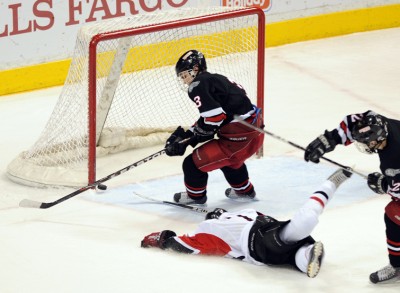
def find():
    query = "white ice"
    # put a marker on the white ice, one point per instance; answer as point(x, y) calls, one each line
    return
point(91, 243)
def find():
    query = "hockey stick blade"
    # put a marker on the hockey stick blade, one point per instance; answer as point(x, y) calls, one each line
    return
point(240, 120)
point(175, 204)
point(27, 203)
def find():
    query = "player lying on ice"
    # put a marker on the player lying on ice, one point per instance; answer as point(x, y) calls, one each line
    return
point(256, 238)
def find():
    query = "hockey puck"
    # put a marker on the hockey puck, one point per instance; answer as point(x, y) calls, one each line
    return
point(102, 187)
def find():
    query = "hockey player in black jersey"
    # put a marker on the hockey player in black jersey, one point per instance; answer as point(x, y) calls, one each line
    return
point(218, 99)
point(259, 239)
point(372, 133)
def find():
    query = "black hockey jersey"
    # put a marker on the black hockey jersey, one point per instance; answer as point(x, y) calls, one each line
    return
point(218, 100)
point(389, 156)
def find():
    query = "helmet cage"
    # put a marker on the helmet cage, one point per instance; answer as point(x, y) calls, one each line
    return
point(362, 147)
point(185, 78)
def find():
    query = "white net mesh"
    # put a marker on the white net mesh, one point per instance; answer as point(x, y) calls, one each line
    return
point(139, 101)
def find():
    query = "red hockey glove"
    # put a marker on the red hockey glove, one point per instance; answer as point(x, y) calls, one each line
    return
point(157, 239)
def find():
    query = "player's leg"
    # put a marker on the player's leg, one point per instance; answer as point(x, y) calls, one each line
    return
point(306, 218)
point(195, 183)
point(241, 143)
point(213, 155)
point(205, 158)
point(208, 157)
point(309, 257)
point(238, 179)
point(390, 272)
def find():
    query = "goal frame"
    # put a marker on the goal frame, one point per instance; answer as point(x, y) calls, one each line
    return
point(92, 97)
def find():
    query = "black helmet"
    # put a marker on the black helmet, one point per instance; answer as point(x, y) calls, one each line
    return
point(371, 128)
point(189, 59)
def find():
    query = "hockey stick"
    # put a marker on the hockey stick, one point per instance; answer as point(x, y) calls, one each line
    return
point(180, 205)
point(27, 203)
point(240, 120)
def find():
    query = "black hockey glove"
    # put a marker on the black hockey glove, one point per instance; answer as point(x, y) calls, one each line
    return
point(202, 131)
point(203, 135)
point(177, 135)
point(215, 214)
point(318, 147)
point(377, 182)
point(174, 146)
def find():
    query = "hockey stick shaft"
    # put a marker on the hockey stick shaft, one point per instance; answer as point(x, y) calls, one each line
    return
point(44, 205)
point(240, 120)
point(175, 204)
point(27, 203)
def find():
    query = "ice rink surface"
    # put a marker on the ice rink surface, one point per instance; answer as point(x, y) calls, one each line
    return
point(91, 243)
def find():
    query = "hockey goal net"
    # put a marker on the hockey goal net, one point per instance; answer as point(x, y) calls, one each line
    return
point(121, 90)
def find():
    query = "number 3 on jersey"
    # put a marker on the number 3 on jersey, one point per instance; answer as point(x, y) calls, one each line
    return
point(197, 101)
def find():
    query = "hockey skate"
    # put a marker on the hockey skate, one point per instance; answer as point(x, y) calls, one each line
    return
point(232, 194)
point(385, 274)
point(183, 197)
point(339, 176)
point(316, 256)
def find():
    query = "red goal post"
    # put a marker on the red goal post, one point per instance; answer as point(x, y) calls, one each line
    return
point(122, 73)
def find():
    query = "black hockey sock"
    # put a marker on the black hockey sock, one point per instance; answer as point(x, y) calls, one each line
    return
point(238, 179)
point(393, 241)
point(195, 179)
